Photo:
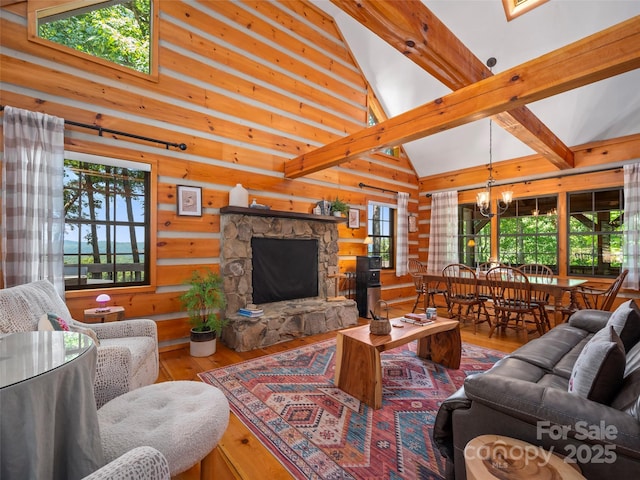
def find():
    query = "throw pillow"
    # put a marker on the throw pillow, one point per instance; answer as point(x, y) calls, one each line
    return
point(598, 371)
point(626, 320)
point(51, 321)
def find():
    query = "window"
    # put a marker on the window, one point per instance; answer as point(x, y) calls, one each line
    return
point(474, 236)
point(528, 232)
point(380, 228)
point(106, 238)
point(118, 31)
point(595, 232)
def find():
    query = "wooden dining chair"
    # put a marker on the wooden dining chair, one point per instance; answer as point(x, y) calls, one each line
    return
point(462, 291)
point(511, 293)
point(585, 297)
point(540, 298)
point(430, 289)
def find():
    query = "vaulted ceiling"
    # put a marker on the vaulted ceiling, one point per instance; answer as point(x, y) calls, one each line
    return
point(413, 53)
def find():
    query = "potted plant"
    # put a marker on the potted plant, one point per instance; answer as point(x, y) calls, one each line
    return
point(339, 208)
point(205, 303)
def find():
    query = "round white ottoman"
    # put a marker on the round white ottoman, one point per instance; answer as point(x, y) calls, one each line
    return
point(184, 420)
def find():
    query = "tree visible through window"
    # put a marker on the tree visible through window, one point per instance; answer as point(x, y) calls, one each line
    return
point(106, 240)
point(528, 232)
point(595, 232)
point(381, 222)
point(117, 31)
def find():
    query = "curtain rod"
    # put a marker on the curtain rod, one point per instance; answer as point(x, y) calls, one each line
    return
point(100, 130)
point(363, 185)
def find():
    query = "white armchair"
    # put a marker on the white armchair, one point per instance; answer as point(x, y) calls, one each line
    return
point(128, 350)
point(141, 463)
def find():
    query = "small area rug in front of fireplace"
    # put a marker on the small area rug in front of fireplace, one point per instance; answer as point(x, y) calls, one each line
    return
point(288, 400)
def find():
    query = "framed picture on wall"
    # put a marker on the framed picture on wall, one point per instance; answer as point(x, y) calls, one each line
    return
point(413, 223)
point(354, 218)
point(189, 200)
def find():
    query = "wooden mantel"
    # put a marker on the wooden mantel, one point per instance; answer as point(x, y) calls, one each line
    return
point(266, 212)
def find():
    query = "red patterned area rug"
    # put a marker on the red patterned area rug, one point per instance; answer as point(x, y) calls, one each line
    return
point(289, 401)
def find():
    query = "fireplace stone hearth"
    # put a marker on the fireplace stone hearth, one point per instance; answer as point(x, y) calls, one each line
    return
point(287, 319)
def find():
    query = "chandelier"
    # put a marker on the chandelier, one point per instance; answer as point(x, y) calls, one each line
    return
point(484, 198)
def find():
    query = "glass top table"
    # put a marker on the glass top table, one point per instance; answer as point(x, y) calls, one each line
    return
point(49, 419)
point(29, 354)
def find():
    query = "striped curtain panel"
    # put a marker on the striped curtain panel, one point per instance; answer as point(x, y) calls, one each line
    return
point(32, 198)
point(402, 235)
point(631, 226)
point(443, 237)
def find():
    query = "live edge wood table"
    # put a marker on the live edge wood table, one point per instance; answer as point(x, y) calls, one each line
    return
point(358, 370)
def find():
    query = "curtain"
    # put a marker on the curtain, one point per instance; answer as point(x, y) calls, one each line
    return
point(443, 238)
point(32, 198)
point(402, 235)
point(631, 226)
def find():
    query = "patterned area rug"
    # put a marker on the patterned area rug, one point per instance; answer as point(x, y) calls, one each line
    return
point(288, 400)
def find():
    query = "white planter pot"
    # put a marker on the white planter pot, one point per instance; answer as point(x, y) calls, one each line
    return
point(202, 344)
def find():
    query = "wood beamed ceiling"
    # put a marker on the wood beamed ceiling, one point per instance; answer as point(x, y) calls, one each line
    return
point(412, 29)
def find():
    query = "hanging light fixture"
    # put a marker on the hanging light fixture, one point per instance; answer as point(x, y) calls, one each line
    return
point(484, 199)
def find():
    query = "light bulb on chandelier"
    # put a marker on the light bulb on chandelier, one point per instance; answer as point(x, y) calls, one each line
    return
point(484, 199)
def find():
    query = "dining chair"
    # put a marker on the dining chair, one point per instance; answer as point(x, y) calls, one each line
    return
point(462, 290)
point(593, 298)
point(430, 289)
point(540, 298)
point(512, 302)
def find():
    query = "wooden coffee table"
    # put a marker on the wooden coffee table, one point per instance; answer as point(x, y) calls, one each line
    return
point(358, 369)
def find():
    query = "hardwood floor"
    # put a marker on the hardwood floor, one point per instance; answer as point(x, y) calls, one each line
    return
point(239, 454)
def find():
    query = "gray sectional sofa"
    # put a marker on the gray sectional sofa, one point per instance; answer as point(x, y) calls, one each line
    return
point(574, 391)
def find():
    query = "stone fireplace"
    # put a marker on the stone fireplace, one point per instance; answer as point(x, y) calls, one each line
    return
point(287, 319)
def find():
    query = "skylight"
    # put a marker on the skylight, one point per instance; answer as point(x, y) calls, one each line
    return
point(515, 8)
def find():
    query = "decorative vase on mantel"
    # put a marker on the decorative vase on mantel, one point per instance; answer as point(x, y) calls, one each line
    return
point(239, 196)
point(380, 325)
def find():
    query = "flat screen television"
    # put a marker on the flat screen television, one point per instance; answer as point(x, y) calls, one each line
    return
point(284, 269)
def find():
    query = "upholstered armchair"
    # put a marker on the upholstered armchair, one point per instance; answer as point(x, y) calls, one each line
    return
point(141, 463)
point(127, 350)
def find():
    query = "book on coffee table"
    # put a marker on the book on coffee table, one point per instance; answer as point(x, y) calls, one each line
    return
point(416, 318)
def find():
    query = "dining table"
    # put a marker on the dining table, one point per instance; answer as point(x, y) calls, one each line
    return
point(555, 286)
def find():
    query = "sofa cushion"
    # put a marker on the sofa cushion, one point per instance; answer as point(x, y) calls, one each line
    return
point(598, 372)
point(626, 320)
point(633, 359)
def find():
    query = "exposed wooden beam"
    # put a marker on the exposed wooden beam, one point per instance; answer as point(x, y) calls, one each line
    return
point(607, 53)
point(411, 28)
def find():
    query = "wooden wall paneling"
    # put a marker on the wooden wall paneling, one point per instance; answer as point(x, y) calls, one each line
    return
point(75, 88)
point(243, 42)
point(285, 40)
point(169, 247)
point(293, 15)
point(177, 274)
point(283, 54)
point(252, 92)
point(236, 62)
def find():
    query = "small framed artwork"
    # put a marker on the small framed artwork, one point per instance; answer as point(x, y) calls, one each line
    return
point(354, 218)
point(189, 200)
point(413, 223)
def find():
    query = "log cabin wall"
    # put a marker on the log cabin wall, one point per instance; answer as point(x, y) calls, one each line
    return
point(246, 85)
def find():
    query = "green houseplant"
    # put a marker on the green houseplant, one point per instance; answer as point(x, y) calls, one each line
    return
point(205, 303)
point(339, 206)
